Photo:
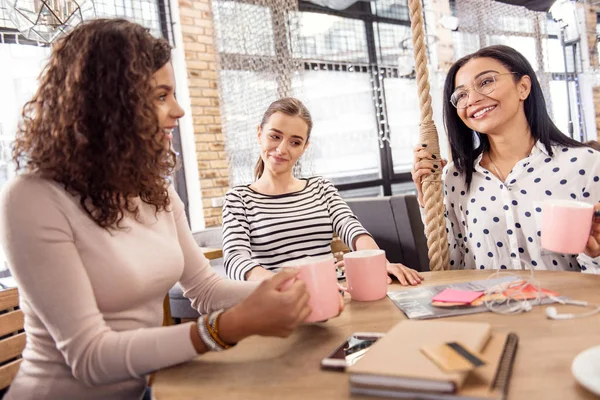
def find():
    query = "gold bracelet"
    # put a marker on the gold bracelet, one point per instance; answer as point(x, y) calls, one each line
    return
point(213, 334)
point(216, 328)
point(206, 336)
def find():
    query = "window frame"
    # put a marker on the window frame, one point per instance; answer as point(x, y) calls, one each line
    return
point(361, 10)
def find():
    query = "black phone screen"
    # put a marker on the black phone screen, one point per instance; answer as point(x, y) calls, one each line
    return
point(350, 351)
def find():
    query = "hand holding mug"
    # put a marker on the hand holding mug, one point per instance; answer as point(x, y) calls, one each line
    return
point(592, 248)
point(366, 275)
point(272, 311)
point(571, 227)
point(320, 278)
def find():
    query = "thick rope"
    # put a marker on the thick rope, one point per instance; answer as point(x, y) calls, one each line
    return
point(435, 222)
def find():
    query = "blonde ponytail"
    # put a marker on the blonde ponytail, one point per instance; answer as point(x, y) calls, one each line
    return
point(259, 168)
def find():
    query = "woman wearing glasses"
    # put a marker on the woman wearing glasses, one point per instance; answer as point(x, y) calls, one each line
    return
point(508, 157)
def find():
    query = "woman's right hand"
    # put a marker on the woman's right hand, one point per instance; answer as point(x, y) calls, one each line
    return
point(424, 164)
point(275, 308)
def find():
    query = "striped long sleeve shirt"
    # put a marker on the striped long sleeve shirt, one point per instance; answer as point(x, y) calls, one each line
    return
point(268, 231)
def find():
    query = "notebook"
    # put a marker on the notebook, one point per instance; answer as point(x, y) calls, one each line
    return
point(396, 361)
point(489, 382)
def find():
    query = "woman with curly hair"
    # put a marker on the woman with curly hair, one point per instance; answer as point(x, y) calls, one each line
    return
point(95, 235)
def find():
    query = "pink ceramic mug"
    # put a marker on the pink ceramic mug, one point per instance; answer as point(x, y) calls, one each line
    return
point(566, 225)
point(320, 277)
point(366, 274)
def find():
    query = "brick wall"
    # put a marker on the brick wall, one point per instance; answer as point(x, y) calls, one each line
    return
point(590, 27)
point(197, 29)
point(596, 92)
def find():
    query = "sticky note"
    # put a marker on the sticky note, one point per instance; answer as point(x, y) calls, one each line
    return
point(456, 296)
point(523, 291)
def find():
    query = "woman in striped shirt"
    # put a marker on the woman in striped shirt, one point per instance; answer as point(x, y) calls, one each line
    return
point(280, 218)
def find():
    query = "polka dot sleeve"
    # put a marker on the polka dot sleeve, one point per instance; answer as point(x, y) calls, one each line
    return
point(592, 189)
point(454, 225)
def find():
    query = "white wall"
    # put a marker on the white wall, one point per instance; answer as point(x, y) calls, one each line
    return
point(19, 69)
point(186, 127)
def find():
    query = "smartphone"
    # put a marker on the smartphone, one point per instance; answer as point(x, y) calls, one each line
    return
point(350, 351)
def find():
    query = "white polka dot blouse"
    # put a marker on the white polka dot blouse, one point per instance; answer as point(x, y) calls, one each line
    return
point(497, 225)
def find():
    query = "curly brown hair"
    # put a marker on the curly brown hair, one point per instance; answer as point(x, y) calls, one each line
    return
point(91, 126)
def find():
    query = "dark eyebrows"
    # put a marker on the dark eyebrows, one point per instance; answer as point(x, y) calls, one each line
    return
point(164, 87)
point(478, 75)
point(281, 133)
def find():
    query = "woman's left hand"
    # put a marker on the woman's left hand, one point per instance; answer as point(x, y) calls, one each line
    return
point(405, 275)
point(593, 245)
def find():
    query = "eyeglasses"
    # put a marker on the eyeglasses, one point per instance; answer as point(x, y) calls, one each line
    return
point(484, 84)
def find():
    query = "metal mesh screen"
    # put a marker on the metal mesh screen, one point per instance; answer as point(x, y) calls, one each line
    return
point(485, 22)
point(354, 70)
point(396, 9)
point(330, 38)
point(152, 14)
point(256, 68)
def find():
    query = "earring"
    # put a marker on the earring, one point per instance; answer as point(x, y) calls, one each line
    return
point(476, 140)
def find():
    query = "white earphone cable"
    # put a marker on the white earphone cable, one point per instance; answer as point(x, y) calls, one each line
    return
point(513, 297)
point(516, 301)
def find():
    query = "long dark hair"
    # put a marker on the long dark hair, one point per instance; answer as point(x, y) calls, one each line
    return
point(92, 125)
point(461, 137)
point(288, 106)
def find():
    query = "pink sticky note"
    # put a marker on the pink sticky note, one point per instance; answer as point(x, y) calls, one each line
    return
point(456, 296)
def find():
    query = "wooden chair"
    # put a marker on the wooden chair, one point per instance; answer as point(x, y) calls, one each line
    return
point(167, 318)
point(12, 336)
point(209, 252)
point(338, 248)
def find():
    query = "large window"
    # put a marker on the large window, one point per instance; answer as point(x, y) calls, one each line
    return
point(344, 145)
point(351, 84)
point(343, 65)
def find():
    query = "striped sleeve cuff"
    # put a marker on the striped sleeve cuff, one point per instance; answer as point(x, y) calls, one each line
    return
point(237, 266)
point(352, 229)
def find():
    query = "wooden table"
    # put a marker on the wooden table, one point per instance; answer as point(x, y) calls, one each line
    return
point(269, 368)
point(212, 253)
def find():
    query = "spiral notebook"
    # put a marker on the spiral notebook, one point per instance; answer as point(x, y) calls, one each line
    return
point(397, 361)
point(489, 382)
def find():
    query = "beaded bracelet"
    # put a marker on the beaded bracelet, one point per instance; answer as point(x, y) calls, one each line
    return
point(208, 328)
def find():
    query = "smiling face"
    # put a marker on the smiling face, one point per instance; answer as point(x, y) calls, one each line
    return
point(283, 139)
point(495, 111)
point(166, 106)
